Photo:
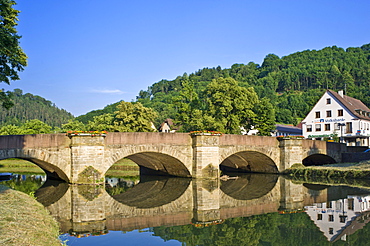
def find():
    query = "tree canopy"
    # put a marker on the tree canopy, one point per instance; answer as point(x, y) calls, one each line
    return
point(12, 57)
point(292, 84)
point(134, 117)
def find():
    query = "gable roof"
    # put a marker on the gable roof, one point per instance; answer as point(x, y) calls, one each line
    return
point(288, 128)
point(355, 106)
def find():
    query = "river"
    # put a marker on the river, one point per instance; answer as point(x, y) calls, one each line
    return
point(253, 209)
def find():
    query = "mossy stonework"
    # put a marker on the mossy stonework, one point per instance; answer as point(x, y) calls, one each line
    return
point(90, 176)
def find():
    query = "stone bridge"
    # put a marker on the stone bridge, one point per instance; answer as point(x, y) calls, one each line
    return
point(171, 201)
point(85, 159)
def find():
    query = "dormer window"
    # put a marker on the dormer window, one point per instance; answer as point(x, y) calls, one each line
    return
point(328, 101)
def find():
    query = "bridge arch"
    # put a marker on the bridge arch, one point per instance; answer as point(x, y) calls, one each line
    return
point(318, 159)
point(248, 161)
point(52, 171)
point(164, 161)
point(159, 164)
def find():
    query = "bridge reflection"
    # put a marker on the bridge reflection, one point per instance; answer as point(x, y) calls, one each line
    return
point(249, 186)
point(170, 201)
point(154, 192)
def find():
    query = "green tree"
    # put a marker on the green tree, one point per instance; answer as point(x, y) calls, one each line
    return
point(189, 115)
point(10, 130)
point(228, 106)
point(104, 122)
point(73, 125)
point(134, 117)
point(35, 127)
point(12, 57)
point(264, 121)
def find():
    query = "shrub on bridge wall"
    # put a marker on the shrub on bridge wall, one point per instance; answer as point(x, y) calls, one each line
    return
point(205, 132)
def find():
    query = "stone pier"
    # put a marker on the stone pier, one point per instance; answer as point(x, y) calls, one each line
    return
point(290, 152)
point(87, 159)
point(206, 156)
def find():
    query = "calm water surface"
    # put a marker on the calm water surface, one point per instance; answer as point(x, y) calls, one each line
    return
point(244, 210)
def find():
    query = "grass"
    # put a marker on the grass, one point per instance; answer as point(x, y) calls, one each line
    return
point(19, 166)
point(124, 167)
point(24, 221)
point(356, 174)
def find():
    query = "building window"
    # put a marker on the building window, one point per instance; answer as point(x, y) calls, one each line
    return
point(328, 113)
point(340, 112)
point(331, 218)
point(329, 205)
point(349, 127)
point(328, 101)
point(336, 126)
point(331, 231)
point(317, 114)
point(309, 128)
point(327, 127)
point(318, 127)
point(351, 204)
point(319, 216)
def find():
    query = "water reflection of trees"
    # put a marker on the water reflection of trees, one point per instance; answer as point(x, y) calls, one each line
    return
point(267, 229)
point(25, 182)
point(118, 185)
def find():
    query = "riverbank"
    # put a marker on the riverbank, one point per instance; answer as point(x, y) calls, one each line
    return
point(24, 221)
point(123, 167)
point(346, 173)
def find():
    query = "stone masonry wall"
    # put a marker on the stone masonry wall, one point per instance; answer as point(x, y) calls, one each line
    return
point(87, 159)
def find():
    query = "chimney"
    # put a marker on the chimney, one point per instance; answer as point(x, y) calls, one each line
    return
point(340, 93)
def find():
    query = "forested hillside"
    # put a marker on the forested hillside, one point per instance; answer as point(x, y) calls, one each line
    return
point(28, 107)
point(109, 109)
point(292, 83)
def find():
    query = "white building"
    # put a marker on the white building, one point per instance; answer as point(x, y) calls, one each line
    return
point(338, 219)
point(340, 115)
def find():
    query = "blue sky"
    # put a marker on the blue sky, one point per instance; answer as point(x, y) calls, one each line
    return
point(86, 54)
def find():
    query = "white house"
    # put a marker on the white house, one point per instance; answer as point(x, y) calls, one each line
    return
point(341, 218)
point(340, 115)
point(167, 126)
